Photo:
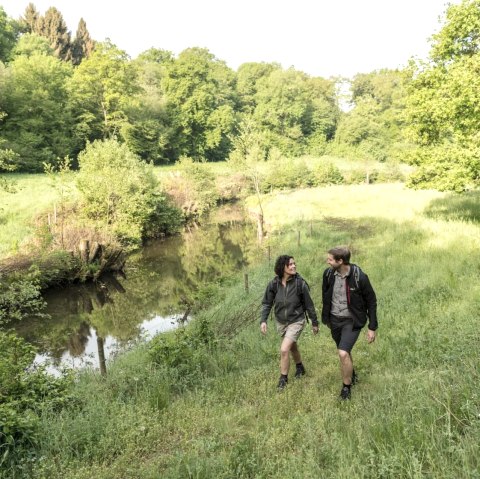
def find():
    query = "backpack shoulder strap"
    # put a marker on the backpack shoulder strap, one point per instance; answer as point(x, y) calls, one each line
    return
point(356, 275)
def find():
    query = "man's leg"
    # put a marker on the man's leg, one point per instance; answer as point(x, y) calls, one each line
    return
point(346, 366)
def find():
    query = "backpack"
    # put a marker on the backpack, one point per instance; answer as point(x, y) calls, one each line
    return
point(298, 283)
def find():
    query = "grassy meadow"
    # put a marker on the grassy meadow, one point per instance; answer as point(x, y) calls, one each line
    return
point(209, 408)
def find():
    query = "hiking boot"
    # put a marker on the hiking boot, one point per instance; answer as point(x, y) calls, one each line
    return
point(354, 378)
point(345, 393)
point(300, 371)
point(282, 383)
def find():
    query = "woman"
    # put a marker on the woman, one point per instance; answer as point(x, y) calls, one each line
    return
point(291, 295)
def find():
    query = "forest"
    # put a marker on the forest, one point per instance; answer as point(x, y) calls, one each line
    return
point(59, 93)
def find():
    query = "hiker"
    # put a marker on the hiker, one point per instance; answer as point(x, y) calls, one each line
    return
point(290, 294)
point(348, 300)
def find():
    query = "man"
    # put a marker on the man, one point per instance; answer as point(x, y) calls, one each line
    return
point(291, 296)
point(348, 301)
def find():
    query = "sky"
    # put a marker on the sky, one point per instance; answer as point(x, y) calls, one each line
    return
point(320, 37)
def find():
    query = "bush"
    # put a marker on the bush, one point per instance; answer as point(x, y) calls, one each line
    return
point(285, 173)
point(327, 173)
point(192, 188)
point(120, 191)
point(20, 295)
point(25, 391)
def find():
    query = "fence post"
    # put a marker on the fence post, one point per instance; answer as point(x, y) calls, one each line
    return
point(245, 277)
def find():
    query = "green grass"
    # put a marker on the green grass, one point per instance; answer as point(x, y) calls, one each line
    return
point(414, 414)
point(33, 194)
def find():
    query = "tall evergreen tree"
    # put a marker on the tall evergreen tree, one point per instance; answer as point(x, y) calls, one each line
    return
point(30, 21)
point(54, 28)
point(83, 44)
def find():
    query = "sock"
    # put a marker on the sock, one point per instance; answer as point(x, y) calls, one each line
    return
point(299, 365)
point(284, 376)
point(347, 385)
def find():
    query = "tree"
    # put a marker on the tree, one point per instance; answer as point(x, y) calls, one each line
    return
point(444, 103)
point(83, 45)
point(291, 107)
point(53, 27)
point(199, 90)
point(38, 124)
point(373, 128)
point(148, 132)
point(30, 44)
point(9, 31)
point(248, 76)
point(101, 89)
point(31, 19)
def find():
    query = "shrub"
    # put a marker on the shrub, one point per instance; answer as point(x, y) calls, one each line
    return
point(20, 295)
point(24, 392)
point(283, 173)
point(327, 173)
point(121, 192)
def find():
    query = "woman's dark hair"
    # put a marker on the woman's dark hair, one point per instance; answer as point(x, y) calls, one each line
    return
point(280, 264)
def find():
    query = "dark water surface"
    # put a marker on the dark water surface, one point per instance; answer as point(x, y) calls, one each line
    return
point(91, 321)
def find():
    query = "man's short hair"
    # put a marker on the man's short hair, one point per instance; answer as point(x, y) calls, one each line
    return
point(280, 264)
point(340, 253)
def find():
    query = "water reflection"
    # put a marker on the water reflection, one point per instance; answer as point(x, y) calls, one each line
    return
point(89, 322)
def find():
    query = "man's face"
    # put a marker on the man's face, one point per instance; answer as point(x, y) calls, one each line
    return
point(291, 267)
point(333, 263)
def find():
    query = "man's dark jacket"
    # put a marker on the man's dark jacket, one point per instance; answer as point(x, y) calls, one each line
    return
point(361, 298)
point(291, 302)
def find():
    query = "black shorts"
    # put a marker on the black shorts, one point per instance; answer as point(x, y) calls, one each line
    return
point(343, 333)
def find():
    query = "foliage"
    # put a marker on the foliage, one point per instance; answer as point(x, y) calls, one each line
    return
point(446, 168)
point(199, 90)
point(20, 295)
point(290, 107)
point(38, 124)
point(8, 35)
point(121, 192)
point(25, 391)
point(192, 188)
point(281, 173)
point(326, 173)
point(373, 128)
point(442, 108)
point(101, 89)
point(83, 44)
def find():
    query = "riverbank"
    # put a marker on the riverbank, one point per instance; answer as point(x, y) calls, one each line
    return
point(201, 402)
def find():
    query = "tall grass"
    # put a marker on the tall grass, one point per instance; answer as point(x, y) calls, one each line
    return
point(32, 194)
point(414, 414)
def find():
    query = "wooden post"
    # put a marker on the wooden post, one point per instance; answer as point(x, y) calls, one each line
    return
point(298, 238)
point(269, 254)
point(245, 277)
point(84, 248)
point(101, 356)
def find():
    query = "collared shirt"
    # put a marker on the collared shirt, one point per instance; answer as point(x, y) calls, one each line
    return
point(339, 297)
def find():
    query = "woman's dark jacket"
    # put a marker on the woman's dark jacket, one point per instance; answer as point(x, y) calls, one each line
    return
point(291, 301)
point(361, 298)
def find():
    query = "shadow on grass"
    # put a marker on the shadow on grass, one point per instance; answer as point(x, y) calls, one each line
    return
point(464, 206)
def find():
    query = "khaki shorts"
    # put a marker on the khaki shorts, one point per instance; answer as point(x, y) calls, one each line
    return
point(291, 330)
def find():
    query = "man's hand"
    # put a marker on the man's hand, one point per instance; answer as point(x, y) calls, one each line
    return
point(370, 336)
point(315, 329)
point(263, 328)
